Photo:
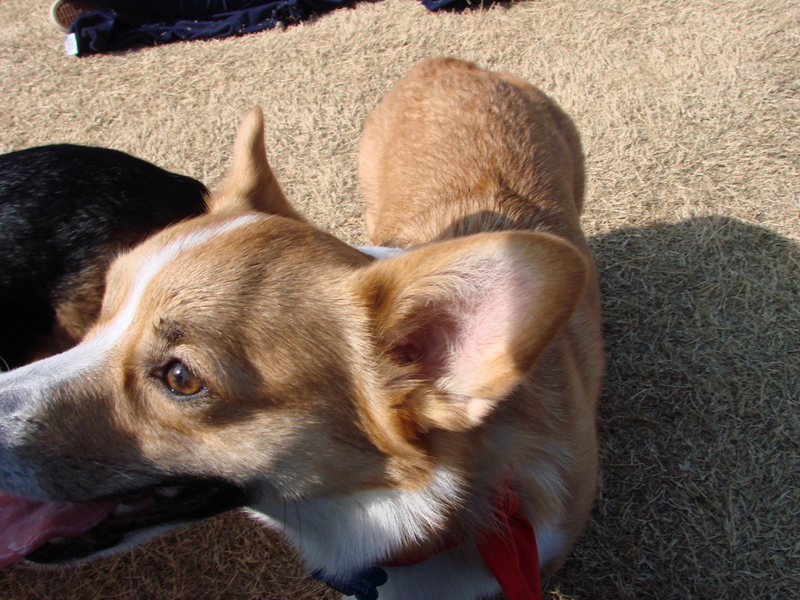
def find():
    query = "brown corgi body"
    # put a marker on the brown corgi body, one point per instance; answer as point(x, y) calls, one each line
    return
point(454, 150)
point(374, 410)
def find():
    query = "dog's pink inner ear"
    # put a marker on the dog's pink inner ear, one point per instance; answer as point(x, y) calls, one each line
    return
point(476, 315)
point(462, 329)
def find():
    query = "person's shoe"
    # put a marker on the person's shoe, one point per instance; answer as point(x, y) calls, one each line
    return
point(64, 12)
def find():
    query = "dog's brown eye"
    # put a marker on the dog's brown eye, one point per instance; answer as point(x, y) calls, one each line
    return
point(181, 380)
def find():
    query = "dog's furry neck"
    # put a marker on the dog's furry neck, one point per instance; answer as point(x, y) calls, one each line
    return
point(483, 211)
point(345, 534)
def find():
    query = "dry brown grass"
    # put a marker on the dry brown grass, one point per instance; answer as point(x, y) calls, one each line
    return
point(689, 112)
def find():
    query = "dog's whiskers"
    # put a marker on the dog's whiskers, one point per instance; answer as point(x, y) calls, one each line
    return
point(127, 473)
point(299, 523)
point(284, 516)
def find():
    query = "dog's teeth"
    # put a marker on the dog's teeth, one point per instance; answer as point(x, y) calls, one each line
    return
point(125, 509)
point(168, 492)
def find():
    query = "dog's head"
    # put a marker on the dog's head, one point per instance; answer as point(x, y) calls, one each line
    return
point(245, 357)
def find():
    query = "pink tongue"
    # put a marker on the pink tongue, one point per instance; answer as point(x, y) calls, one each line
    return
point(25, 524)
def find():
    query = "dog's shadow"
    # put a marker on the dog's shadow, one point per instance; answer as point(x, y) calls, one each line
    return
point(699, 420)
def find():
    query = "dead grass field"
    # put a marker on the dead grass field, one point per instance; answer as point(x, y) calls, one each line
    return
point(690, 118)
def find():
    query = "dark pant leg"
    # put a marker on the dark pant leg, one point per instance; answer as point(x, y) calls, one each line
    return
point(177, 9)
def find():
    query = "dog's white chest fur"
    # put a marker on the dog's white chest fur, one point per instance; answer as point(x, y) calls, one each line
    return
point(339, 536)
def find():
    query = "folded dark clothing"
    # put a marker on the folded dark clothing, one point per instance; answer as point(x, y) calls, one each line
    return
point(105, 29)
point(456, 4)
point(174, 10)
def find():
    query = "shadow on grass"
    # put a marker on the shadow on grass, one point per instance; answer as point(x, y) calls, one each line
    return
point(700, 418)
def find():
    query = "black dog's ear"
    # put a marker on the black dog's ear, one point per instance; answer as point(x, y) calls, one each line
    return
point(250, 184)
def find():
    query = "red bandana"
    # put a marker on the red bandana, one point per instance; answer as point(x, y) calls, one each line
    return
point(510, 551)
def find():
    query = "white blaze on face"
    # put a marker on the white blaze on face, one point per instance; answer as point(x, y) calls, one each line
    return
point(24, 391)
point(151, 267)
point(83, 356)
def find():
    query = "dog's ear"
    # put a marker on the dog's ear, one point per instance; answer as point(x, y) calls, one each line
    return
point(468, 318)
point(250, 184)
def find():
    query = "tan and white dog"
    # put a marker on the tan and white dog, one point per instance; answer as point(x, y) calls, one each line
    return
point(372, 409)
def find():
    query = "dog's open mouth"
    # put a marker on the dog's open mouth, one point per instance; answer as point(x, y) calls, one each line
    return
point(61, 533)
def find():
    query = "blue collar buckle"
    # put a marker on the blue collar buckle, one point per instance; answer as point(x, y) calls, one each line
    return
point(363, 585)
